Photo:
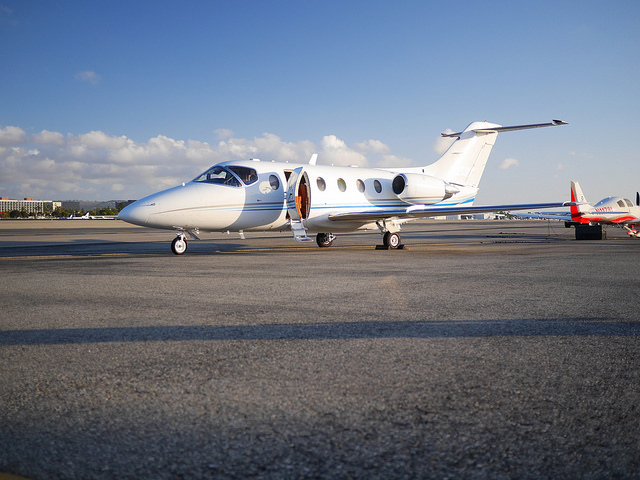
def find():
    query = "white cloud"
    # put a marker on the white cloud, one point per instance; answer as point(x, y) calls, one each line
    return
point(336, 152)
point(46, 137)
point(198, 153)
point(391, 161)
point(97, 139)
point(372, 146)
point(88, 76)
point(97, 165)
point(223, 133)
point(268, 146)
point(508, 163)
point(441, 144)
point(12, 136)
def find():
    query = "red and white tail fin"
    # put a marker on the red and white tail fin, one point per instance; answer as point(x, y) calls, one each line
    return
point(578, 197)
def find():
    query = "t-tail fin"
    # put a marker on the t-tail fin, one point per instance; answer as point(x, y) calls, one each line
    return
point(464, 161)
point(578, 198)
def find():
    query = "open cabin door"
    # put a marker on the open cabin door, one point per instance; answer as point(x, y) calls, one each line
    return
point(299, 203)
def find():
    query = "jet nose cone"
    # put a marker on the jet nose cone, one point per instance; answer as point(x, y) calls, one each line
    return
point(134, 213)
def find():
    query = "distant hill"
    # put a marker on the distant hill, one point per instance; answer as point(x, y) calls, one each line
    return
point(88, 205)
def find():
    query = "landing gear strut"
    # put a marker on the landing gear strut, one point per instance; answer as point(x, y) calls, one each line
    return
point(179, 244)
point(325, 239)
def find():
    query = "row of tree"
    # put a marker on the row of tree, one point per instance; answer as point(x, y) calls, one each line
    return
point(61, 212)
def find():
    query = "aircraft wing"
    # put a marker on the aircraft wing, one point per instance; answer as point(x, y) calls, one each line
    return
point(423, 211)
point(591, 217)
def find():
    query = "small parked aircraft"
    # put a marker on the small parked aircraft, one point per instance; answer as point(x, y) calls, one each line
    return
point(254, 195)
point(83, 217)
point(589, 218)
point(609, 210)
point(88, 216)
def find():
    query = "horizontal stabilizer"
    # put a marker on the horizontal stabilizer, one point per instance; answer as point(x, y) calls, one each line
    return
point(553, 123)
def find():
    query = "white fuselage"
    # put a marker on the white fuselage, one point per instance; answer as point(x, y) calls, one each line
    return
point(262, 202)
point(615, 210)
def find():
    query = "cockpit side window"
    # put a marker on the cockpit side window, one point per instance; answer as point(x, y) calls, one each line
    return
point(629, 204)
point(231, 176)
point(246, 174)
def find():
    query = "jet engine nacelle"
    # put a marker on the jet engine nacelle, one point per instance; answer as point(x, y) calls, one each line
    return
point(417, 189)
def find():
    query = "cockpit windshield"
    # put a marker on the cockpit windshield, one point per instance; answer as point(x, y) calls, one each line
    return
point(233, 175)
point(602, 202)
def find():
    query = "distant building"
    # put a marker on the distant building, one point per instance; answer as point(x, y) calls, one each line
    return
point(29, 205)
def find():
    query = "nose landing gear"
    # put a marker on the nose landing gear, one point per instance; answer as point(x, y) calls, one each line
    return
point(179, 244)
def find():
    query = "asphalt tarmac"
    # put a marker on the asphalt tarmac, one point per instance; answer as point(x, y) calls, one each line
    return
point(485, 349)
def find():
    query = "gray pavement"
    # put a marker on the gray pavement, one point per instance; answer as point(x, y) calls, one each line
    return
point(483, 350)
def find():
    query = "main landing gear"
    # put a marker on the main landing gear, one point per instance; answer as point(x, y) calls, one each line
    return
point(179, 244)
point(391, 240)
point(390, 236)
point(325, 240)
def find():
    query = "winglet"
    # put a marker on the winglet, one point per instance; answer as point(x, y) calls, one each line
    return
point(313, 159)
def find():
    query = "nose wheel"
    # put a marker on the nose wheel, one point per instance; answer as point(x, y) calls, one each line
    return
point(179, 245)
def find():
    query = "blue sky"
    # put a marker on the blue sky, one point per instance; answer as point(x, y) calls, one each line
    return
point(104, 100)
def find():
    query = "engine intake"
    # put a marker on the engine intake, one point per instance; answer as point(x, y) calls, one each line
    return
point(417, 189)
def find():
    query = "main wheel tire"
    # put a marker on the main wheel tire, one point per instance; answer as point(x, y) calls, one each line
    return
point(324, 240)
point(179, 245)
point(391, 240)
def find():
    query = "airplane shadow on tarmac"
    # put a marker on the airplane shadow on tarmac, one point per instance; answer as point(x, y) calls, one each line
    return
point(328, 331)
point(85, 249)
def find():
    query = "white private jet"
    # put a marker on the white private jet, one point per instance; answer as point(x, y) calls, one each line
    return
point(88, 216)
point(253, 195)
point(83, 217)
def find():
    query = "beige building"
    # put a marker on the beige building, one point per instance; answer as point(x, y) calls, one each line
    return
point(30, 205)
